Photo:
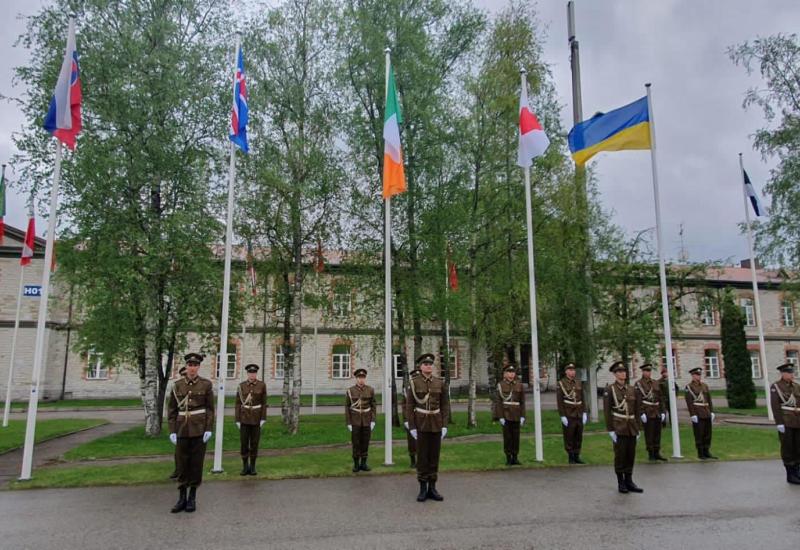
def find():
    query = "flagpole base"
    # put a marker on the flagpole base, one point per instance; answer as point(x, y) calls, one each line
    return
point(213, 471)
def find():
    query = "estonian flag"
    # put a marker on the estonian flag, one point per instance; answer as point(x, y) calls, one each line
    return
point(751, 194)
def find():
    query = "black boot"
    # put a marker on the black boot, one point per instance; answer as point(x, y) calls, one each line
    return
point(423, 491)
point(793, 475)
point(191, 502)
point(571, 458)
point(515, 461)
point(651, 456)
point(621, 486)
point(180, 506)
point(245, 468)
point(657, 455)
point(701, 453)
point(578, 458)
point(174, 474)
point(632, 487)
point(252, 470)
point(433, 494)
point(413, 460)
point(709, 455)
point(508, 460)
point(356, 465)
point(364, 467)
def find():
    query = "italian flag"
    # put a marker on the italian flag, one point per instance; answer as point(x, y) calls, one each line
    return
point(394, 178)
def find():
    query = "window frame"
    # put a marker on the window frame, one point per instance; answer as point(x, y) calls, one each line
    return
point(787, 313)
point(95, 368)
point(229, 375)
point(341, 358)
point(756, 372)
point(708, 371)
point(748, 311)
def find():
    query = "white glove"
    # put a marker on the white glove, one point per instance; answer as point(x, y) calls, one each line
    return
point(414, 433)
point(406, 425)
point(521, 420)
point(502, 421)
point(349, 427)
point(206, 436)
point(613, 436)
point(444, 433)
point(585, 419)
point(261, 424)
point(694, 419)
point(781, 428)
point(564, 421)
point(713, 416)
point(638, 436)
point(644, 418)
point(238, 425)
point(663, 417)
point(371, 426)
point(173, 438)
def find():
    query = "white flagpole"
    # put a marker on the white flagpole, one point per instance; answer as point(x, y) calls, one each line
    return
point(222, 363)
point(762, 348)
point(662, 272)
point(537, 397)
point(387, 354)
point(7, 409)
point(38, 355)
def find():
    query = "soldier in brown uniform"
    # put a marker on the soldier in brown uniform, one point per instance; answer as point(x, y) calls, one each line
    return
point(174, 474)
point(785, 402)
point(412, 443)
point(191, 418)
point(359, 413)
point(654, 411)
point(701, 411)
point(509, 409)
point(572, 410)
point(622, 421)
point(427, 411)
point(251, 413)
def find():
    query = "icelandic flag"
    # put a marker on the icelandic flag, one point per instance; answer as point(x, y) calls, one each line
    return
point(752, 195)
point(63, 119)
point(533, 141)
point(239, 112)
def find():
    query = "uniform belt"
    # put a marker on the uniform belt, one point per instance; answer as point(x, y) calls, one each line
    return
point(625, 416)
point(566, 402)
point(700, 404)
point(251, 406)
point(424, 411)
point(787, 408)
point(192, 413)
point(511, 403)
point(650, 402)
point(360, 410)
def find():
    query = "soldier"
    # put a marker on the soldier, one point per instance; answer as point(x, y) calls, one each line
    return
point(427, 412)
point(174, 474)
point(191, 417)
point(251, 413)
point(412, 443)
point(701, 411)
point(622, 422)
point(784, 399)
point(654, 413)
point(571, 409)
point(509, 409)
point(359, 413)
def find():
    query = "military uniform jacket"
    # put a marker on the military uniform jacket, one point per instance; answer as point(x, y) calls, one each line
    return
point(359, 406)
point(569, 398)
point(427, 404)
point(648, 392)
point(622, 409)
point(510, 401)
point(251, 402)
point(698, 400)
point(785, 401)
point(191, 407)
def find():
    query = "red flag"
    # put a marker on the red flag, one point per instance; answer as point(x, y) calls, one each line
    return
point(533, 141)
point(453, 276)
point(319, 262)
point(28, 244)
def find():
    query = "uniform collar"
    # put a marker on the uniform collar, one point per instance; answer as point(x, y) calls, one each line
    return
point(617, 384)
point(192, 382)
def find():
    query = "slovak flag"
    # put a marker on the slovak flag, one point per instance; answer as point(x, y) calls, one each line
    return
point(533, 141)
point(752, 195)
point(63, 119)
point(27, 245)
point(239, 112)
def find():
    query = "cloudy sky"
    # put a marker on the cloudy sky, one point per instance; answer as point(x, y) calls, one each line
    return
point(679, 46)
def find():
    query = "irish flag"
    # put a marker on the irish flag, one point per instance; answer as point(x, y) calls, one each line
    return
point(394, 178)
point(533, 141)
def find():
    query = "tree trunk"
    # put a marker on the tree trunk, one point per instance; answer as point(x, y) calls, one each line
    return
point(148, 382)
point(286, 348)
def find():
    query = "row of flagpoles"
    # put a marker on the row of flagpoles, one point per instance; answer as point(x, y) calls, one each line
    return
point(630, 127)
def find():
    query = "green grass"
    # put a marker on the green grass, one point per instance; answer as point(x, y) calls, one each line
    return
point(13, 436)
point(729, 443)
point(756, 411)
point(328, 429)
point(272, 401)
point(723, 393)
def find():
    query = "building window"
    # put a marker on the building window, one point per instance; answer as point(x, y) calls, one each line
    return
point(340, 361)
point(706, 312)
point(674, 359)
point(711, 361)
point(454, 360)
point(748, 312)
point(755, 363)
point(787, 310)
point(95, 369)
point(280, 362)
point(793, 357)
point(397, 363)
point(342, 303)
point(230, 366)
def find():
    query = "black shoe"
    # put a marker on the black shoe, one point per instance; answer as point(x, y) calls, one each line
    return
point(515, 461)
point(245, 468)
point(174, 474)
point(508, 460)
point(433, 494)
point(571, 458)
point(632, 487)
point(191, 502)
point(252, 470)
point(793, 475)
point(709, 455)
point(413, 460)
point(180, 506)
point(578, 459)
point(658, 456)
point(701, 454)
point(423, 491)
point(651, 456)
point(364, 467)
point(622, 487)
point(356, 465)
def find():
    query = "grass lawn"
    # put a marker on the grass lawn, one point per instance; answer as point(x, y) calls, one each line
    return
point(723, 393)
point(272, 400)
point(729, 443)
point(14, 435)
point(756, 411)
point(328, 429)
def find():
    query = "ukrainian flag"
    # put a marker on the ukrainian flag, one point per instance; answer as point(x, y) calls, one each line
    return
point(625, 128)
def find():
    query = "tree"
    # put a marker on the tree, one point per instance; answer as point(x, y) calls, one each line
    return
point(740, 390)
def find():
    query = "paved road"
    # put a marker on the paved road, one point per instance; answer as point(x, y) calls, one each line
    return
point(735, 505)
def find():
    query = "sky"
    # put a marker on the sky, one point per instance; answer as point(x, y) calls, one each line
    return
point(677, 45)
